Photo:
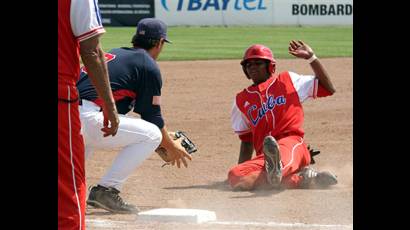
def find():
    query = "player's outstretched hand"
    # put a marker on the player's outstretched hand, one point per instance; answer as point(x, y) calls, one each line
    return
point(300, 49)
point(111, 121)
point(178, 154)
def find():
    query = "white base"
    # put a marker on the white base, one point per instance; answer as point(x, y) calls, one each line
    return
point(177, 215)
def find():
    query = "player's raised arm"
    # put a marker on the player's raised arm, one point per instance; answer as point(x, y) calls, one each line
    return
point(302, 50)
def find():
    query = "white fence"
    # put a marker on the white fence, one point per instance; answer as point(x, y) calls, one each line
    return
point(255, 12)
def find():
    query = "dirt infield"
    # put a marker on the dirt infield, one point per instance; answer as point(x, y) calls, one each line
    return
point(197, 98)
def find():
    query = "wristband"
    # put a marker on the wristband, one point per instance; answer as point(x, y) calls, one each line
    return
point(311, 59)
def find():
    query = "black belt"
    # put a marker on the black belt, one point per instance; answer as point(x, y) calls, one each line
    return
point(68, 100)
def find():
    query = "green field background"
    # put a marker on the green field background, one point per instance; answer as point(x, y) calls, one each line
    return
point(205, 43)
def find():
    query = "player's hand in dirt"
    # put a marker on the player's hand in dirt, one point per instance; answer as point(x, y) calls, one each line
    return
point(300, 49)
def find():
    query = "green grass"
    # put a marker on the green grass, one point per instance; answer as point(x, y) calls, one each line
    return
point(203, 43)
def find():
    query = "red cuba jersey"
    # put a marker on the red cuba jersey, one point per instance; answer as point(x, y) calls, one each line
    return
point(273, 107)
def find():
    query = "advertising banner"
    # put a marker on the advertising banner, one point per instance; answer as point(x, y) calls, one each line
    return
point(255, 12)
point(125, 12)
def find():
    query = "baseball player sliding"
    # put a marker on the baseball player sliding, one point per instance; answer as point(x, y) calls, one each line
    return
point(136, 84)
point(268, 117)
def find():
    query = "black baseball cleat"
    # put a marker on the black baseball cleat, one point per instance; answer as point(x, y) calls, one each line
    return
point(273, 164)
point(108, 199)
point(312, 177)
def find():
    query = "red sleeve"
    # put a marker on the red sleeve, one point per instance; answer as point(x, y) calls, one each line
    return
point(247, 137)
point(322, 92)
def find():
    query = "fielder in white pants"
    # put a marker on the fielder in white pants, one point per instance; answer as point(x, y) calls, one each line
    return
point(136, 83)
point(136, 138)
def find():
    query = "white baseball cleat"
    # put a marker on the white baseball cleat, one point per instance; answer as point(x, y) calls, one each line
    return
point(320, 179)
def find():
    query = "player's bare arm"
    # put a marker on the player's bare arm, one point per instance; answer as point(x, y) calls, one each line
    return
point(302, 50)
point(322, 76)
point(176, 152)
point(245, 152)
point(93, 59)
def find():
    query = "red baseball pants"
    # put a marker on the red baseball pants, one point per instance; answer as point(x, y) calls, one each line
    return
point(251, 174)
point(71, 174)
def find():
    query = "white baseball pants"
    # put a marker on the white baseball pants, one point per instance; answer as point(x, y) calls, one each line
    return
point(136, 138)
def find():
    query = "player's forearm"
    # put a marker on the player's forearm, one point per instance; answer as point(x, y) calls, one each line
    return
point(93, 59)
point(322, 75)
point(245, 152)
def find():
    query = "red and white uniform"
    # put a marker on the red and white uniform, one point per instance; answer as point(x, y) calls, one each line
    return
point(274, 108)
point(78, 20)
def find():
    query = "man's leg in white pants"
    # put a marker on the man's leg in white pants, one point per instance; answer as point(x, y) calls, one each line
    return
point(127, 160)
point(138, 139)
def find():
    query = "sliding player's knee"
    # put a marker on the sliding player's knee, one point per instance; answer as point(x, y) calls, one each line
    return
point(240, 180)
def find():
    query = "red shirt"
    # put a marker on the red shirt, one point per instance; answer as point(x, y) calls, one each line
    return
point(78, 20)
point(273, 107)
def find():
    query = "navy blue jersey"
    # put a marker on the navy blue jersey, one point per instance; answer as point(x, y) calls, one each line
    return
point(135, 80)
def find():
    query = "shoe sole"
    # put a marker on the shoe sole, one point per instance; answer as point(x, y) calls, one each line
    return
point(273, 164)
point(97, 204)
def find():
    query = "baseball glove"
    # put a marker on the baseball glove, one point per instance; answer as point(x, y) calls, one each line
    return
point(189, 146)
